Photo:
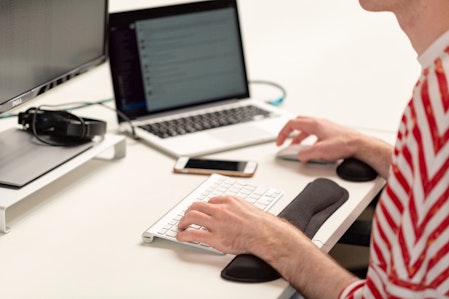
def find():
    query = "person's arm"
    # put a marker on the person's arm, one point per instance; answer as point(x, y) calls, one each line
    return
point(336, 142)
point(235, 226)
point(375, 152)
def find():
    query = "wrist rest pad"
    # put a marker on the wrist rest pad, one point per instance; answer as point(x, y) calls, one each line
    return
point(307, 211)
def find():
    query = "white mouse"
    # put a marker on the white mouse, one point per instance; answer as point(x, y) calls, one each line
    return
point(291, 153)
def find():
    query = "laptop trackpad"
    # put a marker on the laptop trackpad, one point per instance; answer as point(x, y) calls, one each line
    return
point(234, 134)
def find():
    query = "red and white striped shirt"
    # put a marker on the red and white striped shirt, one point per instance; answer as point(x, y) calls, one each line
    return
point(409, 254)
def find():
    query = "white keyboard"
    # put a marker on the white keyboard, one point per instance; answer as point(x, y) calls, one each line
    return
point(215, 185)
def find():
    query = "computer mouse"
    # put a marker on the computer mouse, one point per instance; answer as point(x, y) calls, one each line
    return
point(290, 153)
point(355, 170)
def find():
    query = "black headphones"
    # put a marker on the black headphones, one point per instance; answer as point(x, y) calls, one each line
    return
point(61, 124)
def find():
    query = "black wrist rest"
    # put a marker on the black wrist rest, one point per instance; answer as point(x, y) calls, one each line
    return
point(307, 211)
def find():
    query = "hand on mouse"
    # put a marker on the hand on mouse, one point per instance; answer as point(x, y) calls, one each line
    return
point(334, 142)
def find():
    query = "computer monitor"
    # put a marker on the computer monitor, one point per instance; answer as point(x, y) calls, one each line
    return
point(44, 43)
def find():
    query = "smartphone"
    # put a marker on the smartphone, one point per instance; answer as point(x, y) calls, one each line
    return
point(209, 166)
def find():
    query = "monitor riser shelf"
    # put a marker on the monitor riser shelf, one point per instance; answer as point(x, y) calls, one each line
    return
point(9, 197)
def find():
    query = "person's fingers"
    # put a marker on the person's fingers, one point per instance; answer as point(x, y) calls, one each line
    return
point(193, 235)
point(304, 125)
point(284, 132)
point(203, 207)
point(221, 199)
point(197, 214)
point(201, 213)
point(299, 138)
point(307, 153)
point(226, 200)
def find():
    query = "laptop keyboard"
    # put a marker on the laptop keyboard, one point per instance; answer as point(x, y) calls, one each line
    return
point(215, 185)
point(206, 121)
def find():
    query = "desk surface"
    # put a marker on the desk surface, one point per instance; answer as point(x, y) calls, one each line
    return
point(80, 237)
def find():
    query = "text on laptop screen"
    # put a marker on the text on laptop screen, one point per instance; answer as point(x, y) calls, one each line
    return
point(176, 59)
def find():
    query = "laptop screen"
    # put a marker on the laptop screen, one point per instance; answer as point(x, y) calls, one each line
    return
point(177, 56)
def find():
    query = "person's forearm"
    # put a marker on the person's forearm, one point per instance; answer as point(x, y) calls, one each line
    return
point(312, 272)
point(375, 152)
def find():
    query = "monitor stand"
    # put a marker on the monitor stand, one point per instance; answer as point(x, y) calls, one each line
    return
point(23, 158)
point(34, 165)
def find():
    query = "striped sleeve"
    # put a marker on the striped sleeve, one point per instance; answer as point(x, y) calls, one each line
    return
point(409, 253)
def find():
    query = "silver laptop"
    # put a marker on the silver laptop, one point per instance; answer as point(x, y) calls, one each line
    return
point(179, 74)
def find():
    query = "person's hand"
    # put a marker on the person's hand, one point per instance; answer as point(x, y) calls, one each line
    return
point(233, 225)
point(333, 142)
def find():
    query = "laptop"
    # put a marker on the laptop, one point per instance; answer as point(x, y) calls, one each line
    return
point(179, 74)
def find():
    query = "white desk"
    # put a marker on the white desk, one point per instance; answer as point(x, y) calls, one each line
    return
point(80, 237)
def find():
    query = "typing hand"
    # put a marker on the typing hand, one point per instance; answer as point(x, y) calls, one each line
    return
point(232, 223)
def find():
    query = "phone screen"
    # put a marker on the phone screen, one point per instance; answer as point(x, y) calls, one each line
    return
point(216, 164)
